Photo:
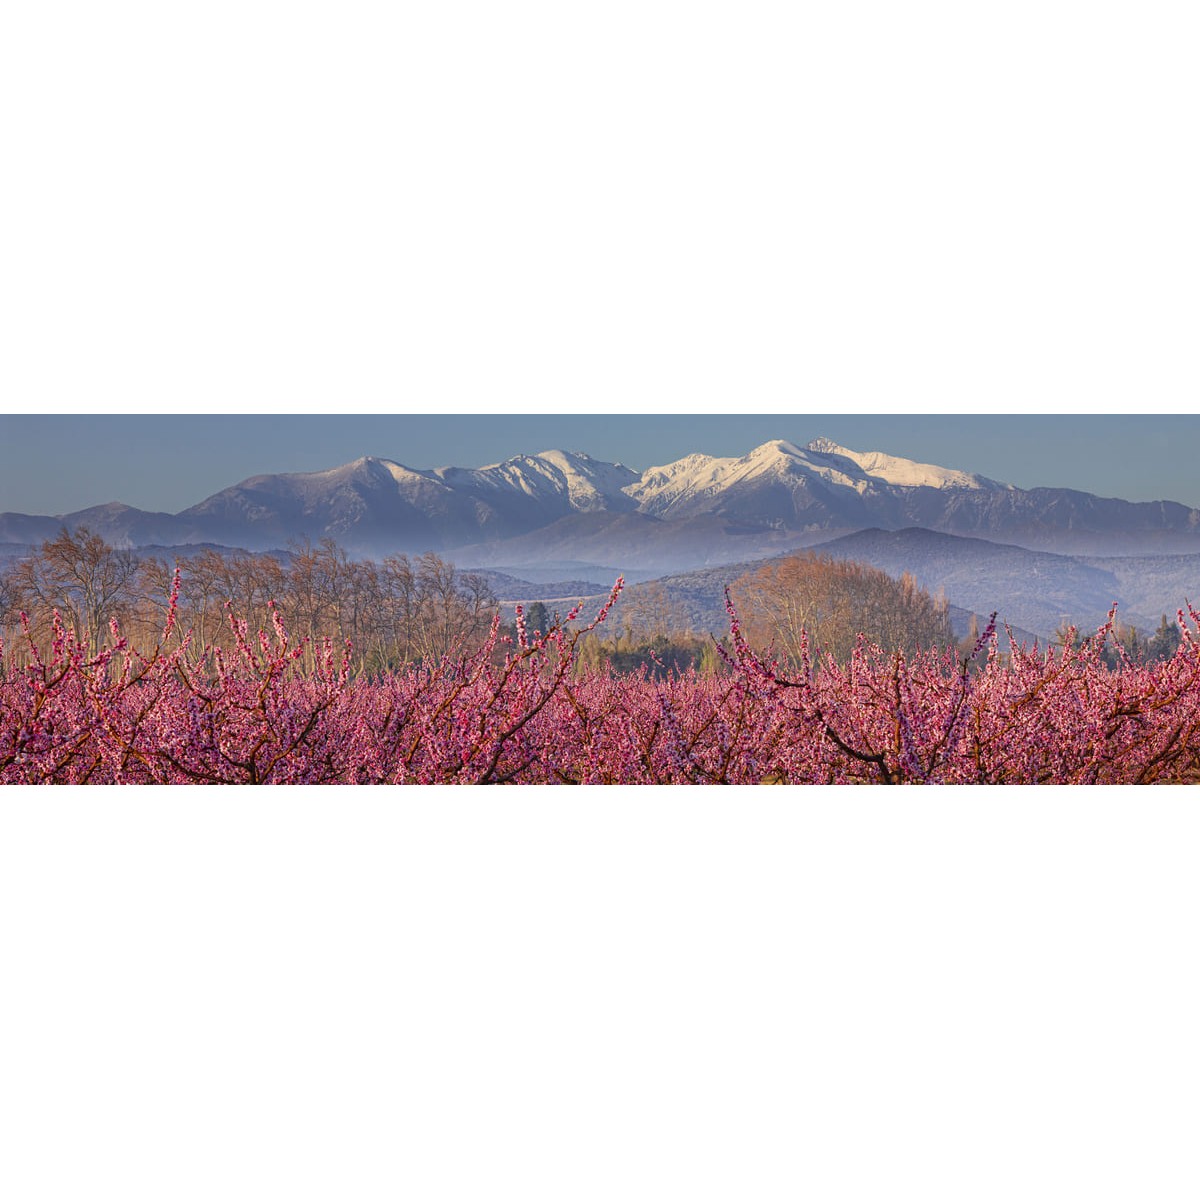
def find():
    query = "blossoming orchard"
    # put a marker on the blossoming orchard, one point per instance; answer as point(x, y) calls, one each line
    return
point(521, 710)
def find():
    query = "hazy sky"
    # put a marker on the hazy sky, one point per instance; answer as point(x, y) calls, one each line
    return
point(59, 464)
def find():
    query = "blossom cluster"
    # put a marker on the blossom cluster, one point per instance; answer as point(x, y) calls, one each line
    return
point(280, 712)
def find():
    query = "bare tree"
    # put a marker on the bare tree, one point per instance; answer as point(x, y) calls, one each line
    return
point(401, 603)
point(83, 577)
point(9, 593)
point(9, 607)
point(392, 613)
point(452, 608)
point(646, 614)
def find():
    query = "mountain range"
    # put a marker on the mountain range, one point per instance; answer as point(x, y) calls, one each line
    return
point(559, 506)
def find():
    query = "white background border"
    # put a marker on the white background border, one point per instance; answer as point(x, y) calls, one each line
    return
point(545, 208)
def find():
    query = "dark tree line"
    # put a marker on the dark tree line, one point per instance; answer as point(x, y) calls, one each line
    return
point(1126, 642)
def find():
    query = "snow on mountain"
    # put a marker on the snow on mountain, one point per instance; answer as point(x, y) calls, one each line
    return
point(379, 503)
point(901, 472)
point(570, 481)
point(266, 497)
point(700, 479)
point(591, 484)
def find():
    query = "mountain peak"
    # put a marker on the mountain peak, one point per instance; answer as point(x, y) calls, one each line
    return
point(823, 445)
point(774, 448)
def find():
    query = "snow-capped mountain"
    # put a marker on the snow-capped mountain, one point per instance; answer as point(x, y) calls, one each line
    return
point(694, 510)
point(374, 501)
point(778, 476)
point(553, 479)
point(902, 472)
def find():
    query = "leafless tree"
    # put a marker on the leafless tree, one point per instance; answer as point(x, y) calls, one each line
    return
point(78, 573)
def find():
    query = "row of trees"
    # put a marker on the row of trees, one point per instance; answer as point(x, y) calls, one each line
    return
point(1126, 642)
point(646, 634)
point(394, 612)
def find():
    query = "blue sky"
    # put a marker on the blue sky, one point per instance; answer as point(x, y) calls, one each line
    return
point(58, 464)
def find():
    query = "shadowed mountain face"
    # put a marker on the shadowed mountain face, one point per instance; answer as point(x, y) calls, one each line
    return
point(558, 505)
point(361, 505)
